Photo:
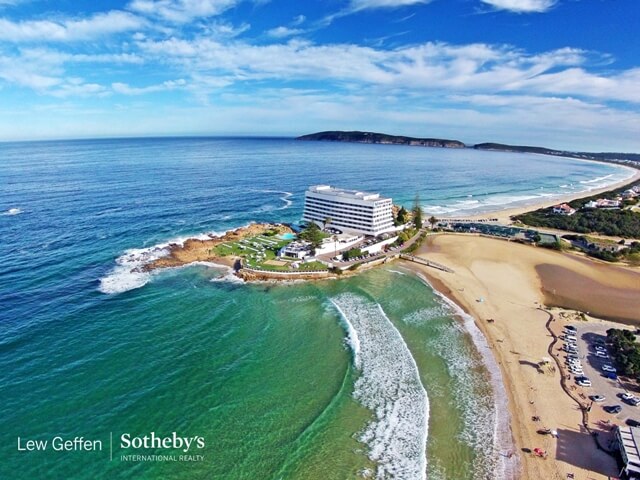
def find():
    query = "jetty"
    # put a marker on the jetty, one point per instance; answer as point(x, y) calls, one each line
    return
point(424, 261)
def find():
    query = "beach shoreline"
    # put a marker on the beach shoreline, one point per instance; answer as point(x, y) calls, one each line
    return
point(497, 284)
point(504, 216)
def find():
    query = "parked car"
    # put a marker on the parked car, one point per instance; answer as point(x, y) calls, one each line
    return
point(571, 328)
point(583, 381)
point(600, 354)
point(609, 368)
point(613, 409)
point(627, 396)
point(632, 423)
point(597, 398)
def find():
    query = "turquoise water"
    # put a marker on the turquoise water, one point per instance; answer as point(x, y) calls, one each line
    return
point(340, 379)
point(287, 236)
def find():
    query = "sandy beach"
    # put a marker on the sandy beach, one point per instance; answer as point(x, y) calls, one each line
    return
point(503, 216)
point(505, 286)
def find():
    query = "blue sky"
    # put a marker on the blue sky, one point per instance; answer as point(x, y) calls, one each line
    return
point(558, 73)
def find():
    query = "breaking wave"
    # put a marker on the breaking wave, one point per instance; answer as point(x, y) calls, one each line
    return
point(129, 274)
point(12, 211)
point(389, 385)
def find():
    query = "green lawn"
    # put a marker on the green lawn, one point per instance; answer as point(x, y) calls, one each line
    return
point(249, 249)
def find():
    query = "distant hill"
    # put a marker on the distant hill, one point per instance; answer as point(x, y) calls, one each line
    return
point(630, 158)
point(380, 138)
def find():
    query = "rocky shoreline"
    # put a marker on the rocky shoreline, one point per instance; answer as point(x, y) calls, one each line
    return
point(202, 250)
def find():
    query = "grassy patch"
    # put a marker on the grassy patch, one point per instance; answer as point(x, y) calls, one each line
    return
point(257, 251)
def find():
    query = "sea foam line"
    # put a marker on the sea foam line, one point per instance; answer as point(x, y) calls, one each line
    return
point(507, 467)
point(389, 385)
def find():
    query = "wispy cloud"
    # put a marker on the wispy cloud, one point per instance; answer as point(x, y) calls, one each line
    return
point(126, 89)
point(416, 68)
point(69, 29)
point(181, 11)
point(357, 5)
point(522, 6)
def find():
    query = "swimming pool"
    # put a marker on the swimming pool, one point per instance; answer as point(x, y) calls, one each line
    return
point(287, 236)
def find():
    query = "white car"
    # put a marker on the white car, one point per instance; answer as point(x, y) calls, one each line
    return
point(601, 354)
point(600, 348)
point(583, 381)
point(597, 398)
point(608, 368)
point(627, 396)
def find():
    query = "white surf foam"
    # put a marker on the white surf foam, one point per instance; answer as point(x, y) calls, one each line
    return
point(285, 197)
point(389, 385)
point(128, 274)
point(596, 180)
point(12, 211)
point(482, 419)
point(397, 271)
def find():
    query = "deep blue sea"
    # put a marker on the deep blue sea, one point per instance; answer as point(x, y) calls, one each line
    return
point(286, 381)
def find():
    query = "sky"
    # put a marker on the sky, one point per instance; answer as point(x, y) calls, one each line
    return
point(556, 73)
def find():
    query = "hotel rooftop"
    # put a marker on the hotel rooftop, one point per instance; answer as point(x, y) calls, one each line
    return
point(345, 193)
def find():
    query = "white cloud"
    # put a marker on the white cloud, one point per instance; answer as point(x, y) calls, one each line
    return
point(43, 56)
point(522, 6)
point(370, 4)
point(283, 32)
point(98, 25)
point(182, 11)
point(125, 89)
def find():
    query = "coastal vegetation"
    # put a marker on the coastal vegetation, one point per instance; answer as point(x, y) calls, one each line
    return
point(380, 138)
point(313, 235)
point(615, 222)
point(626, 351)
point(352, 253)
point(416, 212)
point(402, 216)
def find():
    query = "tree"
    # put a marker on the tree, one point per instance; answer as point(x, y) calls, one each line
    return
point(327, 222)
point(402, 217)
point(417, 212)
point(353, 253)
point(433, 220)
point(312, 234)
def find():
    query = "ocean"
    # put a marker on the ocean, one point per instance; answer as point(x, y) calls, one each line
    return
point(374, 376)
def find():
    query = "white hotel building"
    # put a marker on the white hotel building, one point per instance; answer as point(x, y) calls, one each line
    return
point(349, 210)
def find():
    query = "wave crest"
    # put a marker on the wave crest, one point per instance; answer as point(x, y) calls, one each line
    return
point(389, 385)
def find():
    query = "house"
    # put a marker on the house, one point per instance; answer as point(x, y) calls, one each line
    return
point(604, 247)
point(603, 203)
point(631, 193)
point(298, 249)
point(563, 209)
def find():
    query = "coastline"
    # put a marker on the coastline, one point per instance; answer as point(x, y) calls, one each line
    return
point(504, 216)
point(496, 283)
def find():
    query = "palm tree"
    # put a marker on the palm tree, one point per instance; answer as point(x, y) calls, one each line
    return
point(433, 220)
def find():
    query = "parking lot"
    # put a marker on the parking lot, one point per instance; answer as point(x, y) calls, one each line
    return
point(587, 336)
